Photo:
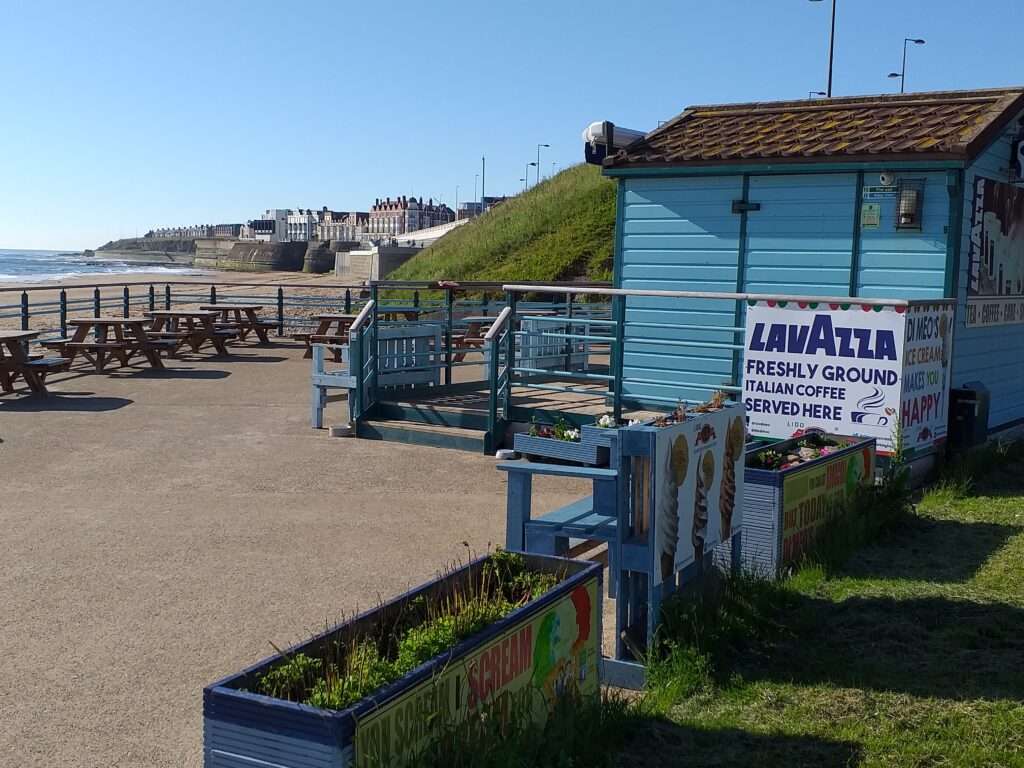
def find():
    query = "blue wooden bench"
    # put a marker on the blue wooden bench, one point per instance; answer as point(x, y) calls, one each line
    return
point(520, 493)
point(593, 518)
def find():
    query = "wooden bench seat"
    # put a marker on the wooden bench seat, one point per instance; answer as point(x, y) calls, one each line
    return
point(102, 345)
point(577, 520)
point(50, 363)
point(461, 341)
point(55, 343)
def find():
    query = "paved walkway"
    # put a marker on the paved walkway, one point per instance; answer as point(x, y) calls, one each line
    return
point(159, 529)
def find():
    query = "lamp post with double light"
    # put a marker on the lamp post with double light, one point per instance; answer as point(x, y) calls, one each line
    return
point(902, 74)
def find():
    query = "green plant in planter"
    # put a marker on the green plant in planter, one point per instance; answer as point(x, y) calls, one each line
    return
point(353, 667)
point(769, 459)
point(562, 430)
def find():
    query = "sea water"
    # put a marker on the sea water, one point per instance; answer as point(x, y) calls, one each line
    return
point(27, 266)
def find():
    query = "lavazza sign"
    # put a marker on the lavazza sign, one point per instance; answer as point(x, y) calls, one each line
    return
point(850, 369)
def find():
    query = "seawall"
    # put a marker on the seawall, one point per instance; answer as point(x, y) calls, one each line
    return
point(216, 253)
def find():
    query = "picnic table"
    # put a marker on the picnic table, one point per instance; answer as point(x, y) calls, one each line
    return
point(15, 361)
point(115, 339)
point(194, 327)
point(332, 329)
point(243, 318)
point(473, 338)
point(477, 326)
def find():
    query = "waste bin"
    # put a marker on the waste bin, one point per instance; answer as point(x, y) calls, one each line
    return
point(968, 415)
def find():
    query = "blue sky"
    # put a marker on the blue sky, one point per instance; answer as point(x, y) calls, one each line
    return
point(122, 116)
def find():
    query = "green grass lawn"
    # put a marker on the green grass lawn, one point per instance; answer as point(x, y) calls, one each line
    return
point(909, 653)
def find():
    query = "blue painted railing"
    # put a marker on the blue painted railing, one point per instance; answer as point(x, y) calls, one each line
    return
point(47, 308)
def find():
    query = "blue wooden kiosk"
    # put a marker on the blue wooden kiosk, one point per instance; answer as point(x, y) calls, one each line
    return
point(904, 197)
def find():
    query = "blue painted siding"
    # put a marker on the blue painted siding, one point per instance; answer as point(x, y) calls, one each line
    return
point(993, 355)
point(801, 239)
point(906, 265)
point(678, 234)
point(681, 234)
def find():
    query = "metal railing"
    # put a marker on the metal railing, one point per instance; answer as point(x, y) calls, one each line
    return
point(500, 376)
point(362, 365)
point(47, 308)
point(625, 333)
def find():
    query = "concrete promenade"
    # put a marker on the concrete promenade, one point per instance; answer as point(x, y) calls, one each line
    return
point(158, 529)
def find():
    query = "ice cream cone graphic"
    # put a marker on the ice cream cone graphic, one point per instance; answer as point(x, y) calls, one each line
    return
point(705, 477)
point(727, 490)
point(677, 463)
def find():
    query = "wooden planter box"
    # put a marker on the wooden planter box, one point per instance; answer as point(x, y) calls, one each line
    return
point(784, 510)
point(502, 671)
point(598, 435)
point(582, 452)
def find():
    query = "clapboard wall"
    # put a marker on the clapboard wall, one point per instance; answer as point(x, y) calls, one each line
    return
point(993, 355)
point(680, 232)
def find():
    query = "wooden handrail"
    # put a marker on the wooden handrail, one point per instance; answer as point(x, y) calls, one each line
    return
point(360, 321)
point(498, 324)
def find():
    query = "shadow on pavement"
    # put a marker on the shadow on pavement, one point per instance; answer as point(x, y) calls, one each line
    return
point(85, 402)
point(180, 373)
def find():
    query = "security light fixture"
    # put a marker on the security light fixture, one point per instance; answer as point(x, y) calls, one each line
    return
point(909, 204)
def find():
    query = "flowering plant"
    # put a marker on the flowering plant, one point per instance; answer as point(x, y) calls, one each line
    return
point(560, 431)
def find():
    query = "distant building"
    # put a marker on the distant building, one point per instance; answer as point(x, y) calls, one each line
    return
point(196, 230)
point(227, 230)
point(271, 227)
point(472, 209)
point(301, 225)
point(342, 225)
point(390, 218)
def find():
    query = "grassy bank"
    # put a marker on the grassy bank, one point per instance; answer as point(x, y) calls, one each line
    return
point(903, 652)
point(560, 230)
point(163, 244)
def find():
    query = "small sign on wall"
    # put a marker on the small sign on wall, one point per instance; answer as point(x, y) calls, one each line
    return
point(870, 215)
point(880, 193)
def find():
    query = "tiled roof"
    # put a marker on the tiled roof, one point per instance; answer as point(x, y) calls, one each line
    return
point(952, 125)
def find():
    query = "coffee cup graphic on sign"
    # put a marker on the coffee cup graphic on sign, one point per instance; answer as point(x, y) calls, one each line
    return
point(867, 404)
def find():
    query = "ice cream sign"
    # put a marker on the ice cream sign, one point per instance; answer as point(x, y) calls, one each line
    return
point(851, 369)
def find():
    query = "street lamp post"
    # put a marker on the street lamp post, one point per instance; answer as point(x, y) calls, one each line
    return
point(538, 159)
point(528, 165)
point(524, 184)
point(902, 74)
point(812, 94)
point(553, 169)
point(456, 202)
point(475, 180)
point(831, 47)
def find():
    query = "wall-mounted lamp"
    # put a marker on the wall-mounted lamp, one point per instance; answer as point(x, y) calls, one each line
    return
point(909, 203)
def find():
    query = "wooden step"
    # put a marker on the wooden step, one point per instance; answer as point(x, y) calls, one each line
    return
point(430, 414)
point(393, 430)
